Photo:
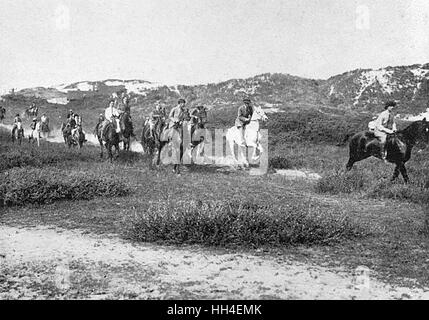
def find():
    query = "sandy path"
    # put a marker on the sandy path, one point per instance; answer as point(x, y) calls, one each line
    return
point(55, 263)
point(55, 136)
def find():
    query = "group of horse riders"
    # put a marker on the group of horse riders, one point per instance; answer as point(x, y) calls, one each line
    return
point(73, 125)
point(383, 125)
point(44, 123)
point(197, 116)
point(119, 104)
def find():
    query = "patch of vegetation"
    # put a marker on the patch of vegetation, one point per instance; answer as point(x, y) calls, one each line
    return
point(372, 180)
point(243, 223)
point(339, 182)
point(280, 162)
point(413, 192)
point(41, 186)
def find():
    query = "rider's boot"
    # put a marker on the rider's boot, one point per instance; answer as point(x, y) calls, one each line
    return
point(383, 152)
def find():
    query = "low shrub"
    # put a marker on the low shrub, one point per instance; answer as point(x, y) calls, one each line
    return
point(340, 182)
point(280, 162)
point(224, 223)
point(20, 186)
point(414, 192)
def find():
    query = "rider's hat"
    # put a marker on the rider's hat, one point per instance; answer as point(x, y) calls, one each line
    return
point(246, 100)
point(181, 100)
point(34, 119)
point(390, 103)
point(17, 115)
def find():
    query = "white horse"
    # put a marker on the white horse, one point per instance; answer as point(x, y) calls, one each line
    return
point(35, 134)
point(252, 137)
point(44, 127)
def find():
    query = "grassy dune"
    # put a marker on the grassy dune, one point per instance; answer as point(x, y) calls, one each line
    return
point(352, 219)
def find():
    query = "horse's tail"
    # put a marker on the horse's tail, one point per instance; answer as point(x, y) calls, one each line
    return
point(344, 139)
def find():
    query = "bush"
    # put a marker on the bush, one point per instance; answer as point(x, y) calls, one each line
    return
point(337, 182)
point(414, 192)
point(41, 186)
point(222, 223)
point(280, 162)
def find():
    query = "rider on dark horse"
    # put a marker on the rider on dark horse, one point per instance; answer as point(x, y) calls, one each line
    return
point(198, 120)
point(178, 114)
point(15, 123)
point(158, 114)
point(384, 125)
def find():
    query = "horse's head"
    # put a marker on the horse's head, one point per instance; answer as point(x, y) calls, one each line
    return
point(419, 131)
point(259, 114)
point(125, 122)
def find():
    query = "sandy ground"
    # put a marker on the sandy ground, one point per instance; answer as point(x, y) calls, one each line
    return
point(53, 263)
point(56, 136)
point(298, 174)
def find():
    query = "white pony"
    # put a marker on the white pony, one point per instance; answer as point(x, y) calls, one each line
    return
point(35, 134)
point(252, 137)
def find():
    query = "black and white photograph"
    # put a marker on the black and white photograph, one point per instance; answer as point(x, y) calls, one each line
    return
point(216, 150)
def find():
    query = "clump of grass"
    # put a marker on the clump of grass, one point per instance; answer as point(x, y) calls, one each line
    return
point(226, 223)
point(340, 182)
point(21, 186)
point(413, 192)
point(280, 162)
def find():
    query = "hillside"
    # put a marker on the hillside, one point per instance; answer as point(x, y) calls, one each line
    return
point(361, 90)
point(367, 89)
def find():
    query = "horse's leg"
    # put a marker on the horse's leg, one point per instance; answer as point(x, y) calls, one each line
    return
point(177, 166)
point(109, 151)
point(101, 147)
point(157, 156)
point(403, 171)
point(396, 172)
point(116, 152)
point(350, 164)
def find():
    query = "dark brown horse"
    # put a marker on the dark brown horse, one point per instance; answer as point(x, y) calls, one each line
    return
point(153, 143)
point(127, 130)
point(110, 138)
point(398, 145)
point(73, 140)
point(32, 112)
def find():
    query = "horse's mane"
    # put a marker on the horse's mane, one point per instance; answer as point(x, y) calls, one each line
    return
point(410, 131)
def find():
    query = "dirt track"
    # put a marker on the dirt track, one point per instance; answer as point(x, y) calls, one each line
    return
point(52, 263)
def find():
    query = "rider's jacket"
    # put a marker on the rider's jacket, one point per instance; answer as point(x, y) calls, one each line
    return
point(243, 115)
point(16, 120)
point(198, 115)
point(157, 114)
point(177, 114)
point(111, 112)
